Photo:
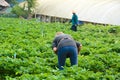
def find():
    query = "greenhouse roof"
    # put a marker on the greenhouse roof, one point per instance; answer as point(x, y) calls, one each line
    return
point(97, 11)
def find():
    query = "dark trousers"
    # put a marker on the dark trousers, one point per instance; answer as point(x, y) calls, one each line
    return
point(64, 52)
point(74, 27)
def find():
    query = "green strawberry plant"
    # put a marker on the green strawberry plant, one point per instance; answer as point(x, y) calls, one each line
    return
point(26, 53)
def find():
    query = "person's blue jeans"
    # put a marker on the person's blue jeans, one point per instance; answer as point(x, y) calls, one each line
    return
point(67, 51)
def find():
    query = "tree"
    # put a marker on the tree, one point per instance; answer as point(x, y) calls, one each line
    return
point(31, 5)
point(26, 10)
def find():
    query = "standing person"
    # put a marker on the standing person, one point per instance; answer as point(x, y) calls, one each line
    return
point(74, 21)
point(65, 47)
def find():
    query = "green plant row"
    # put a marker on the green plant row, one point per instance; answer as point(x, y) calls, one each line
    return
point(26, 53)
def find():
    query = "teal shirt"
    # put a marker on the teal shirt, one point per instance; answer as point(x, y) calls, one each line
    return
point(74, 19)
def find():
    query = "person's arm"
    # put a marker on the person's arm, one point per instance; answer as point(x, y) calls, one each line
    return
point(54, 46)
point(79, 46)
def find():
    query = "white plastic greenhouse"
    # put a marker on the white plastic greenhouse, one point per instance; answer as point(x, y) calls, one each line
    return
point(96, 11)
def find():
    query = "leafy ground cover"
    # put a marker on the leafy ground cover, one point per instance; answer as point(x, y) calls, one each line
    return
point(26, 54)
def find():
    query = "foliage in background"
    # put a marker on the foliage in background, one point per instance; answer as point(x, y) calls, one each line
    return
point(19, 11)
point(31, 5)
point(24, 11)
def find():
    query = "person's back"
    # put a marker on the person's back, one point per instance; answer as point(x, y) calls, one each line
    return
point(64, 40)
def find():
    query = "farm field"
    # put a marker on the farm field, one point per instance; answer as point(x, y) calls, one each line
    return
point(26, 53)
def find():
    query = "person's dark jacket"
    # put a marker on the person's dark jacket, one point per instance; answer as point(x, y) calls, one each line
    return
point(74, 19)
point(64, 40)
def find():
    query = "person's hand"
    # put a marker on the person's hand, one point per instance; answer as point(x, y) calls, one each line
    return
point(55, 49)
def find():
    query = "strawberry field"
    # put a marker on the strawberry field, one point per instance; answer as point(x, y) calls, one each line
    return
point(26, 54)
